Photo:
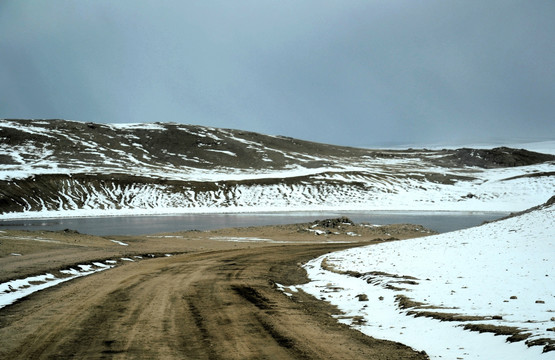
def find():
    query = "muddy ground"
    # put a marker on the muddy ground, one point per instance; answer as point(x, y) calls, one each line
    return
point(214, 298)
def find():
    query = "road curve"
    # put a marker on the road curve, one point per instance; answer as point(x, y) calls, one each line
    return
point(209, 305)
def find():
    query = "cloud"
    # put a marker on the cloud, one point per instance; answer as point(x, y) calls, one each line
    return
point(353, 73)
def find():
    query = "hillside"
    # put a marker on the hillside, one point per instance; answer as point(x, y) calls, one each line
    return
point(61, 168)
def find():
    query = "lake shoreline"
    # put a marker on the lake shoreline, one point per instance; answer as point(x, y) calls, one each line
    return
point(440, 221)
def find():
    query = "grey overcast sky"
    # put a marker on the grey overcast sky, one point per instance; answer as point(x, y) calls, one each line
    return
point(361, 73)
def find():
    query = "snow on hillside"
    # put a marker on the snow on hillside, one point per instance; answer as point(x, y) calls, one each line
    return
point(64, 168)
point(500, 274)
point(320, 192)
point(541, 146)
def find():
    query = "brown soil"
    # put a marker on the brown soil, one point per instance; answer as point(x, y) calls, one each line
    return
point(214, 299)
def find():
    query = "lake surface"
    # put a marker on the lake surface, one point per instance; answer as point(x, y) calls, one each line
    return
point(138, 225)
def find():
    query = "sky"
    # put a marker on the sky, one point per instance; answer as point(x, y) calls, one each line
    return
point(347, 72)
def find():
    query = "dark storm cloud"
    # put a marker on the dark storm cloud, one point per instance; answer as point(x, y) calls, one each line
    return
point(347, 72)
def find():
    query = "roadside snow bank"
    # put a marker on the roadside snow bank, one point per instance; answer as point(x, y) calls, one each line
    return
point(489, 277)
point(13, 290)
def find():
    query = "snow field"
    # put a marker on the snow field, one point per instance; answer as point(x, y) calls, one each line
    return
point(502, 271)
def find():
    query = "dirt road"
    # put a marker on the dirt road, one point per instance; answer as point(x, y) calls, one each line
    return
point(213, 305)
point(215, 299)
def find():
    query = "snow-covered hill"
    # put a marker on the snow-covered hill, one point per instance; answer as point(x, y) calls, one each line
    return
point(67, 168)
point(497, 278)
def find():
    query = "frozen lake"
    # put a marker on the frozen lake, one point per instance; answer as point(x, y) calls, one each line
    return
point(137, 225)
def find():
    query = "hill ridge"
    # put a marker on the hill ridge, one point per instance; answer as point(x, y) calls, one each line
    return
point(60, 166)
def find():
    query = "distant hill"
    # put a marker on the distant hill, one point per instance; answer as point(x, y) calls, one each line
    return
point(69, 168)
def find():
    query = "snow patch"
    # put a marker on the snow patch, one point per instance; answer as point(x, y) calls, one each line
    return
point(14, 290)
point(119, 242)
point(240, 239)
point(223, 152)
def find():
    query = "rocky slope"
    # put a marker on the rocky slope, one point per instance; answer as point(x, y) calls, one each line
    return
point(61, 168)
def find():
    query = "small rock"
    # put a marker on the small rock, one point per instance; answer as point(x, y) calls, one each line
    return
point(358, 320)
point(70, 231)
point(497, 317)
point(540, 302)
point(381, 298)
point(513, 297)
point(362, 297)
